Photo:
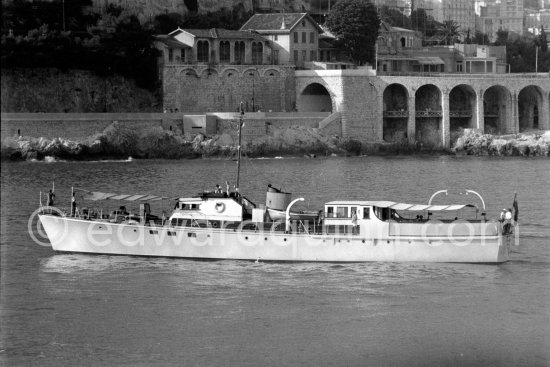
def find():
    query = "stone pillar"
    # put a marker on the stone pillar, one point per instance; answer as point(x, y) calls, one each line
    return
point(411, 124)
point(344, 119)
point(380, 113)
point(544, 112)
point(480, 112)
point(514, 123)
point(282, 89)
point(446, 120)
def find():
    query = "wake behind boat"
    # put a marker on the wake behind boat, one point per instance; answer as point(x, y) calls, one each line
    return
point(228, 225)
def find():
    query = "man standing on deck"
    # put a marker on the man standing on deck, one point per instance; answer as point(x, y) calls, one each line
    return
point(51, 195)
point(73, 206)
point(354, 229)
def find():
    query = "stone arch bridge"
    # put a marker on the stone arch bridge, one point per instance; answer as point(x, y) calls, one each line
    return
point(428, 109)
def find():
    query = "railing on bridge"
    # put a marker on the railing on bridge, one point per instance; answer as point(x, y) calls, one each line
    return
point(429, 114)
point(462, 75)
point(396, 114)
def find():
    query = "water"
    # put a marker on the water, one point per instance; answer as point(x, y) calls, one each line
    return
point(68, 309)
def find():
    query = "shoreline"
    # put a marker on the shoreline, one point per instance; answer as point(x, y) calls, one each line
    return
point(119, 143)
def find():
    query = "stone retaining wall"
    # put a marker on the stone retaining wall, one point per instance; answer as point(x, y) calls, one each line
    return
point(82, 125)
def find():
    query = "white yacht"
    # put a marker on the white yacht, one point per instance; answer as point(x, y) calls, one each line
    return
point(227, 225)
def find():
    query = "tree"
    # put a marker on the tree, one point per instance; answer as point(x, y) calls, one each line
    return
point(542, 40)
point(481, 38)
point(450, 31)
point(394, 17)
point(356, 23)
point(502, 37)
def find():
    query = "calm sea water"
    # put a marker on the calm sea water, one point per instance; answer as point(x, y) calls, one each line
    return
point(69, 310)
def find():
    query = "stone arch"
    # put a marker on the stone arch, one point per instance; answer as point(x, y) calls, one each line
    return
point(497, 102)
point(530, 107)
point(429, 113)
point(186, 73)
point(239, 52)
point(272, 73)
point(462, 106)
point(209, 73)
point(231, 73)
point(203, 51)
point(315, 97)
point(225, 52)
point(251, 72)
point(257, 53)
point(395, 115)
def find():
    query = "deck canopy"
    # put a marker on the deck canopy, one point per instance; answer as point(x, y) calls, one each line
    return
point(403, 206)
point(96, 196)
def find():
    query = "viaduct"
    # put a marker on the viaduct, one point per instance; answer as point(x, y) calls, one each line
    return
point(426, 109)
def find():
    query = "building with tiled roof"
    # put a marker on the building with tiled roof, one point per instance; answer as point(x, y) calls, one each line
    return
point(294, 36)
point(214, 46)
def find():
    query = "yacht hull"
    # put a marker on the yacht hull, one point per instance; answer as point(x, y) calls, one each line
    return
point(69, 234)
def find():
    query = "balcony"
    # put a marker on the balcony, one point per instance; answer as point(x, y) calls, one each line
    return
point(428, 114)
point(396, 114)
point(460, 113)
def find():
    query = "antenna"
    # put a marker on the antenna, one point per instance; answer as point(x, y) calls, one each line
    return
point(239, 146)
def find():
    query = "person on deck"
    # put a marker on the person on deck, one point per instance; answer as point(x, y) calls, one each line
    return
point(354, 228)
point(51, 195)
point(73, 206)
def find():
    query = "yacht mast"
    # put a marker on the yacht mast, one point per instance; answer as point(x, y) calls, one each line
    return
point(239, 147)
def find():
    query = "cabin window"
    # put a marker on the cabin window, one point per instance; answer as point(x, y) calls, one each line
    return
point(342, 212)
point(330, 212)
point(311, 37)
point(184, 206)
point(366, 213)
point(178, 222)
point(304, 37)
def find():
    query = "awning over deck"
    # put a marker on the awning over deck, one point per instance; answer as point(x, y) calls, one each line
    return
point(404, 206)
point(96, 196)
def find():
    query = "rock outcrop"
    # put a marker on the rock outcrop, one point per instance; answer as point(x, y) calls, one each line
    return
point(118, 140)
point(472, 142)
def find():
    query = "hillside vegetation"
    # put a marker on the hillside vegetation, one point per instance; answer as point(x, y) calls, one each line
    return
point(52, 90)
